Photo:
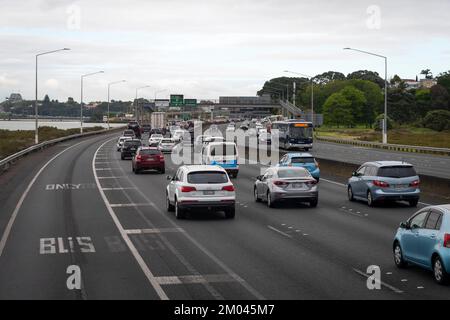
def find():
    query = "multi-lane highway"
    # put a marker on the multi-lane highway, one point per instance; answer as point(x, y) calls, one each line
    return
point(78, 204)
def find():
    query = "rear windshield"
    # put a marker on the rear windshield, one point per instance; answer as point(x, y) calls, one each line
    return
point(207, 177)
point(132, 143)
point(149, 152)
point(129, 132)
point(156, 136)
point(292, 173)
point(166, 141)
point(223, 150)
point(396, 172)
point(303, 160)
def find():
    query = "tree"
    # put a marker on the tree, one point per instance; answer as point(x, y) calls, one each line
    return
point(337, 111)
point(427, 73)
point(367, 75)
point(326, 77)
point(439, 97)
point(423, 101)
point(402, 106)
point(357, 102)
point(443, 79)
point(437, 120)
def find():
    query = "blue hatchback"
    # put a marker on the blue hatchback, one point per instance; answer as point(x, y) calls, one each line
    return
point(302, 159)
point(424, 240)
point(385, 181)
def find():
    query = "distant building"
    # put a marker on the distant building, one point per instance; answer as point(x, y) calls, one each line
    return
point(427, 83)
point(248, 107)
point(15, 97)
point(412, 83)
point(419, 84)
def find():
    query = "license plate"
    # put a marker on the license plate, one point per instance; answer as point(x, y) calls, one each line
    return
point(298, 186)
point(208, 193)
point(401, 186)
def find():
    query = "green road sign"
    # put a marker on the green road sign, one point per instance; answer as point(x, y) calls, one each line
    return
point(190, 102)
point(176, 100)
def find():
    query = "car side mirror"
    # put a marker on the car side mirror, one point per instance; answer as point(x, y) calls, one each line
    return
point(259, 178)
point(404, 225)
point(169, 178)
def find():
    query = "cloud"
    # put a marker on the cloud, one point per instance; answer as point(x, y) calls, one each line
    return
point(7, 82)
point(52, 84)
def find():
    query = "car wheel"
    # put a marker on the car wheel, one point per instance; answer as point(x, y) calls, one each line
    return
point(169, 206)
point(255, 193)
point(163, 170)
point(350, 195)
point(413, 203)
point(314, 203)
point(270, 202)
point(398, 257)
point(136, 171)
point(179, 213)
point(370, 200)
point(440, 275)
point(230, 213)
point(122, 157)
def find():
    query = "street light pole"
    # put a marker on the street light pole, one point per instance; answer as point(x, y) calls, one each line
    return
point(385, 135)
point(36, 110)
point(137, 104)
point(81, 99)
point(109, 89)
point(312, 92)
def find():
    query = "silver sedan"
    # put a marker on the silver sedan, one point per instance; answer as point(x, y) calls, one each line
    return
point(290, 183)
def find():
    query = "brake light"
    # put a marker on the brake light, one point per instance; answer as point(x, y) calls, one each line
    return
point(415, 183)
point(280, 183)
point(161, 157)
point(187, 189)
point(447, 240)
point(381, 184)
point(312, 182)
point(138, 158)
point(229, 188)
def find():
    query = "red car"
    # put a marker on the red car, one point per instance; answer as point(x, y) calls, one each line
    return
point(148, 158)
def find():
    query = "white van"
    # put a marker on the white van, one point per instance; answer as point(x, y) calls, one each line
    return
point(223, 154)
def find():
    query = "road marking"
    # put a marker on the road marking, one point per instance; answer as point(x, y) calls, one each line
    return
point(195, 279)
point(114, 177)
point(105, 169)
point(24, 195)
point(70, 186)
point(65, 245)
point(151, 278)
point(128, 205)
point(279, 231)
point(381, 282)
point(117, 189)
point(153, 231)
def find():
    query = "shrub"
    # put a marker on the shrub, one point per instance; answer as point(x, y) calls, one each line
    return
point(377, 123)
point(438, 120)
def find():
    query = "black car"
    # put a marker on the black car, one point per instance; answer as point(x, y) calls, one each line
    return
point(146, 128)
point(129, 148)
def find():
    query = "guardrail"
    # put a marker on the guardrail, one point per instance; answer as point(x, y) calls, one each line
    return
point(392, 147)
point(6, 162)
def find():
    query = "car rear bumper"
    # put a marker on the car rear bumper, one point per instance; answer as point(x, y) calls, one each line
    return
point(305, 195)
point(149, 166)
point(128, 154)
point(396, 196)
point(213, 205)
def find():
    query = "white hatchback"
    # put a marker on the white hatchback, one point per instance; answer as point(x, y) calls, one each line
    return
point(200, 187)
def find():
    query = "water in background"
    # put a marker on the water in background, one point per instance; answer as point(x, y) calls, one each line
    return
point(29, 124)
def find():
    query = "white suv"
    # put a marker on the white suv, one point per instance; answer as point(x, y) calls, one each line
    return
point(200, 187)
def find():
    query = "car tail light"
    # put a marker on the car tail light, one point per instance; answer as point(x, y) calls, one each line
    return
point(447, 240)
point(138, 158)
point(187, 189)
point(381, 184)
point(317, 164)
point(280, 183)
point(229, 188)
point(415, 183)
point(312, 182)
point(161, 157)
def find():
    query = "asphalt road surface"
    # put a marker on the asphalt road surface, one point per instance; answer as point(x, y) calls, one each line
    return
point(80, 205)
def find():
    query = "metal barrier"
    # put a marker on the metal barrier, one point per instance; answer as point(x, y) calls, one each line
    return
point(6, 162)
point(392, 147)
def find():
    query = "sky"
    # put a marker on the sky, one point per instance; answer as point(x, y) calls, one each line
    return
point(210, 48)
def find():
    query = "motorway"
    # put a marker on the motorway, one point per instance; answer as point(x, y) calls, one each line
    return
point(79, 204)
point(430, 165)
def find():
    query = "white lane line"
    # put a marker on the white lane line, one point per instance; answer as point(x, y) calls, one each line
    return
point(151, 278)
point(128, 205)
point(105, 162)
point(381, 282)
point(195, 279)
point(279, 231)
point(114, 177)
point(22, 199)
point(153, 231)
point(345, 186)
point(118, 189)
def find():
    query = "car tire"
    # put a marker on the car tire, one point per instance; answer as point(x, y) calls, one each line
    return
point(230, 213)
point(270, 202)
point(179, 213)
point(169, 207)
point(350, 195)
point(370, 200)
point(398, 257)
point(122, 157)
point(314, 203)
point(163, 171)
point(255, 193)
point(440, 275)
point(136, 171)
point(413, 203)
